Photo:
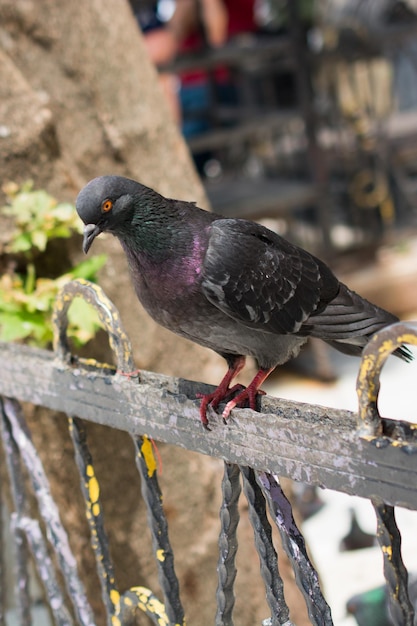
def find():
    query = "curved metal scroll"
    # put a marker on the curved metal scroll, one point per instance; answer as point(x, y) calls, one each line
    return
point(382, 344)
point(171, 612)
point(108, 315)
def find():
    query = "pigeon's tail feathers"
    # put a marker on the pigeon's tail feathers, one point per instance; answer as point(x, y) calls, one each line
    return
point(349, 321)
point(356, 350)
point(404, 353)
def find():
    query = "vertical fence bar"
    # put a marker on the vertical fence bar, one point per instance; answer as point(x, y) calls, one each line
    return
point(99, 541)
point(293, 543)
point(266, 551)
point(146, 464)
point(226, 568)
point(17, 491)
point(45, 568)
point(389, 539)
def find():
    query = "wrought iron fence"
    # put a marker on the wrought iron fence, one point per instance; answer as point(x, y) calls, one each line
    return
point(360, 454)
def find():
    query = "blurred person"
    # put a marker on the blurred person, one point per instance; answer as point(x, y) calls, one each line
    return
point(194, 25)
point(220, 21)
point(162, 46)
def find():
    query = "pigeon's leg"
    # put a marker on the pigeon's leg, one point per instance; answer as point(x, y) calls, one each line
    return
point(236, 364)
point(248, 394)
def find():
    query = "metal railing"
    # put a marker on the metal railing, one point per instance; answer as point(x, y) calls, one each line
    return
point(357, 454)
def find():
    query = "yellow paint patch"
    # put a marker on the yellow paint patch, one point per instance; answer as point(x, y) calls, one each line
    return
point(92, 485)
point(160, 555)
point(115, 597)
point(387, 550)
point(147, 453)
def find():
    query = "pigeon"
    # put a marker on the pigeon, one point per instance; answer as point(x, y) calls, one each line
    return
point(370, 608)
point(231, 285)
point(356, 538)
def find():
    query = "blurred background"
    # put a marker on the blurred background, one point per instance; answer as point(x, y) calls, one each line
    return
point(304, 112)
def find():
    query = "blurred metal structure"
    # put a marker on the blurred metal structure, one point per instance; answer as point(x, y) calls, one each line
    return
point(363, 455)
point(318, 134)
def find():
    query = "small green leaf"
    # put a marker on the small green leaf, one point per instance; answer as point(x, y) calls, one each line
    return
point(14, 326)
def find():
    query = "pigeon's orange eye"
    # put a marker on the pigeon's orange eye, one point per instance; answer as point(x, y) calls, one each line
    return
point(107, 206)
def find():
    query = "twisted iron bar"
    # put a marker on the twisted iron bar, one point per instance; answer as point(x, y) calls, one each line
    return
point(268, 557)
point(151, 493)
point(293, 543)
point(99, 541)
point(396, 575)
point(27, 533)
point(226, 568)
point(20, 543)
point(55, 531)
point(45, 568)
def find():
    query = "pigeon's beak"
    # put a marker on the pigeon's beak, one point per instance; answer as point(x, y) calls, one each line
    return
point(90, 233)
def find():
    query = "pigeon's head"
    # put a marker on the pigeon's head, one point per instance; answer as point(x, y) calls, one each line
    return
point(106, 203)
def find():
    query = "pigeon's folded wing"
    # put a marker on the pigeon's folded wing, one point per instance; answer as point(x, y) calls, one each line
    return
point(262, 280)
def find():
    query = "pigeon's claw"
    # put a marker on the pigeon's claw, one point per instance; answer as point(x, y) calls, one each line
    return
point(249, 394)
point(214, 399)
point(246, 396)
point(223, 391)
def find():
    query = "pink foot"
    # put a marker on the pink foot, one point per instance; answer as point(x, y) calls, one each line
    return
point(222, 391)
point(213, 399)
point(249, 394)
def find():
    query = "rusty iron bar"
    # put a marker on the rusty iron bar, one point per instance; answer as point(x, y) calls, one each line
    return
point(294, 545)
point(280, 615)
point(226, 567)
point(396, 575)
point(48, 510)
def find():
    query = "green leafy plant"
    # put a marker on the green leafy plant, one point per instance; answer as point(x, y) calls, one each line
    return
point(27, 297)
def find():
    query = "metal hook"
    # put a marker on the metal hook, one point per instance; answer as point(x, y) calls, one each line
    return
point(108, 315)
point(382, 344)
